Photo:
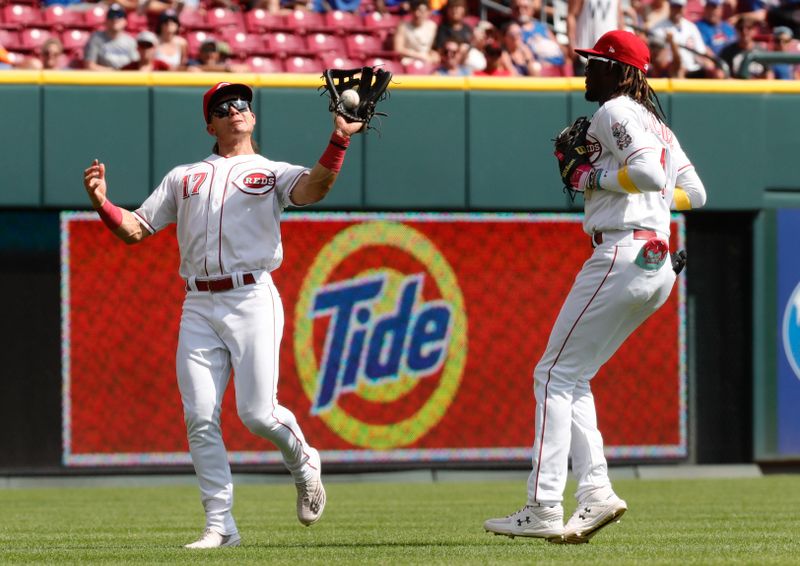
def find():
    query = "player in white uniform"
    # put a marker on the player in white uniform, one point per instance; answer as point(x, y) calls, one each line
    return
point(227, 208)
point(638, 172)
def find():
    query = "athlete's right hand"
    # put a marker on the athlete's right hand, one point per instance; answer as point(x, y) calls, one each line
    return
point(94, 180)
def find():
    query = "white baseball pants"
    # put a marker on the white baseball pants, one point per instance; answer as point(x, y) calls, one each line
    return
point(240, 329)
point(610, 298)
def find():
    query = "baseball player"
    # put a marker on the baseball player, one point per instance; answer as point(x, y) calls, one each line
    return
point(227, 208)
point(637, 171)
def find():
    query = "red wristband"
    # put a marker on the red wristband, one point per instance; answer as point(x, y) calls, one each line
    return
point(110, 214)
point(333, 157)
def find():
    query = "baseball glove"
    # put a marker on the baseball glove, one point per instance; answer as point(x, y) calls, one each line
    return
point(570, 150)
point(678, 261)
point(369, 82)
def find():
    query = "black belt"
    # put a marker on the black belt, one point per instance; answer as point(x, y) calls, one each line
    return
point(221, 284)
point(597, 237)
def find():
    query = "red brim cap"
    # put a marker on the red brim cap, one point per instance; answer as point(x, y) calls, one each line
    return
point(623, 47)
point(218, 90)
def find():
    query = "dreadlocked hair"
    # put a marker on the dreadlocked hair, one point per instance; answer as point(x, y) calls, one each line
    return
point(633, 84)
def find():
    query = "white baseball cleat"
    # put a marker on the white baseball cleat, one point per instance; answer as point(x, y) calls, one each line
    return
point(212, 539)
point(591, 516)
point(311, 493)
point(530, 521)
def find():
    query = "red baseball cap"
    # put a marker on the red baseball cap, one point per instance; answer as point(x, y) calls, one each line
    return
point(220, 89)
point(621, 46)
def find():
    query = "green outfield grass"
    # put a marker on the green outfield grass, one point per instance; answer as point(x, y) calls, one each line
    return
point(710, 521)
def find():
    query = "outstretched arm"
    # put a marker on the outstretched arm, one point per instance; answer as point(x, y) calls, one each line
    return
point(120, 221)
point(313, 187)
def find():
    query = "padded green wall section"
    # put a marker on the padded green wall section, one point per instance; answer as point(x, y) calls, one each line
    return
point(21, 154)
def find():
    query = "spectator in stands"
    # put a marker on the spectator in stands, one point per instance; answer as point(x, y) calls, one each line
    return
point(783, 38)
point(517, 56)
point(5, 59)
point(651, 13)
point(665, 58)
point(482, 33)
point(214, 56)
point(394, 6)
point(693, 48)
point(146, 43)
point(413, 38)
point(716, 32)
point(785, 14)
point(50, 56)
point(536, 34)
point(171, 48)
point(734, 53)
point(450, 56)
point(495, 67)
point(111, 48)
point(587, 20)
point(341, 5)
point(453, 26)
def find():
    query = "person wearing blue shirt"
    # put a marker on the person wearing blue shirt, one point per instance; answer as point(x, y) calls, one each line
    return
point(716, 32)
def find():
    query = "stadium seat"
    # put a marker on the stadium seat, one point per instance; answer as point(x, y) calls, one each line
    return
point(338, 61)
point(57, 17)
point(382, 24)
point(95, 18)
point(10, 39)
point(260, 64)
point(193, 20)
point(418, 67)
point(285, 44)
point(553, 70)
point(136, 22)
point(220, 18)
point(244, 44)
point(343, 23)
point(300, 64)
point(20, 15)
point(74, 39)
point(32, 38)
point(194, 39)
point(361, 45)
point(301, 21)
point(260, 21)
point(325, 43)
point(392, 65)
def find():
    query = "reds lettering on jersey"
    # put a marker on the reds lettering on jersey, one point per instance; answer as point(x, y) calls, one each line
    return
point(227, 210)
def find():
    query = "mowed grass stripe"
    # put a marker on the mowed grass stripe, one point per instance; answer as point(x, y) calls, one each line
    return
point(709, 521)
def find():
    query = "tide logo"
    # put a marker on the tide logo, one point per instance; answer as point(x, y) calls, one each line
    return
point(256, 182)
point(380, 346)
point(791, 330)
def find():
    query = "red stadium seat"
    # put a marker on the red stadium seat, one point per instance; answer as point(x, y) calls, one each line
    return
point(20, 15)
point(549, 70)
point(74, 39)
point(136, 22)
point(260, 21)
point(194, 39)
point(260, 64)
point(58, 17)
point(299, 64)
point(392, 65)
point(244, 44)
point(32, 38)
point(10, 39)
point(338, 61)
point(325, 43)
point(361, 45)
point(193, 20)
point(95, 18)
point(418, 67)
point(380, 23)
point(220, 18)
point(343, 22)
point(301, 21)
point(285, 44)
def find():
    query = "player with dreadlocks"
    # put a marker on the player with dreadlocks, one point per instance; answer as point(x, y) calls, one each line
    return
point(634, 172)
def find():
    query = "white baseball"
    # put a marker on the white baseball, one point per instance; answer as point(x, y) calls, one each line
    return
point(350, 99)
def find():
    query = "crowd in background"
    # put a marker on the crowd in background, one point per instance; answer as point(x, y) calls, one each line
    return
point(687, 38)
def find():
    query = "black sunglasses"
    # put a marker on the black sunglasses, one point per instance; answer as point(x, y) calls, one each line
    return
point(222, 110)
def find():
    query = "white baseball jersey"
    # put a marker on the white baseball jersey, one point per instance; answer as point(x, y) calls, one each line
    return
point(227, 210)
point(620, 130)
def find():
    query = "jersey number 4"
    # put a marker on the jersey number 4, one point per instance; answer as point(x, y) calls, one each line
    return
point(192, 186)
